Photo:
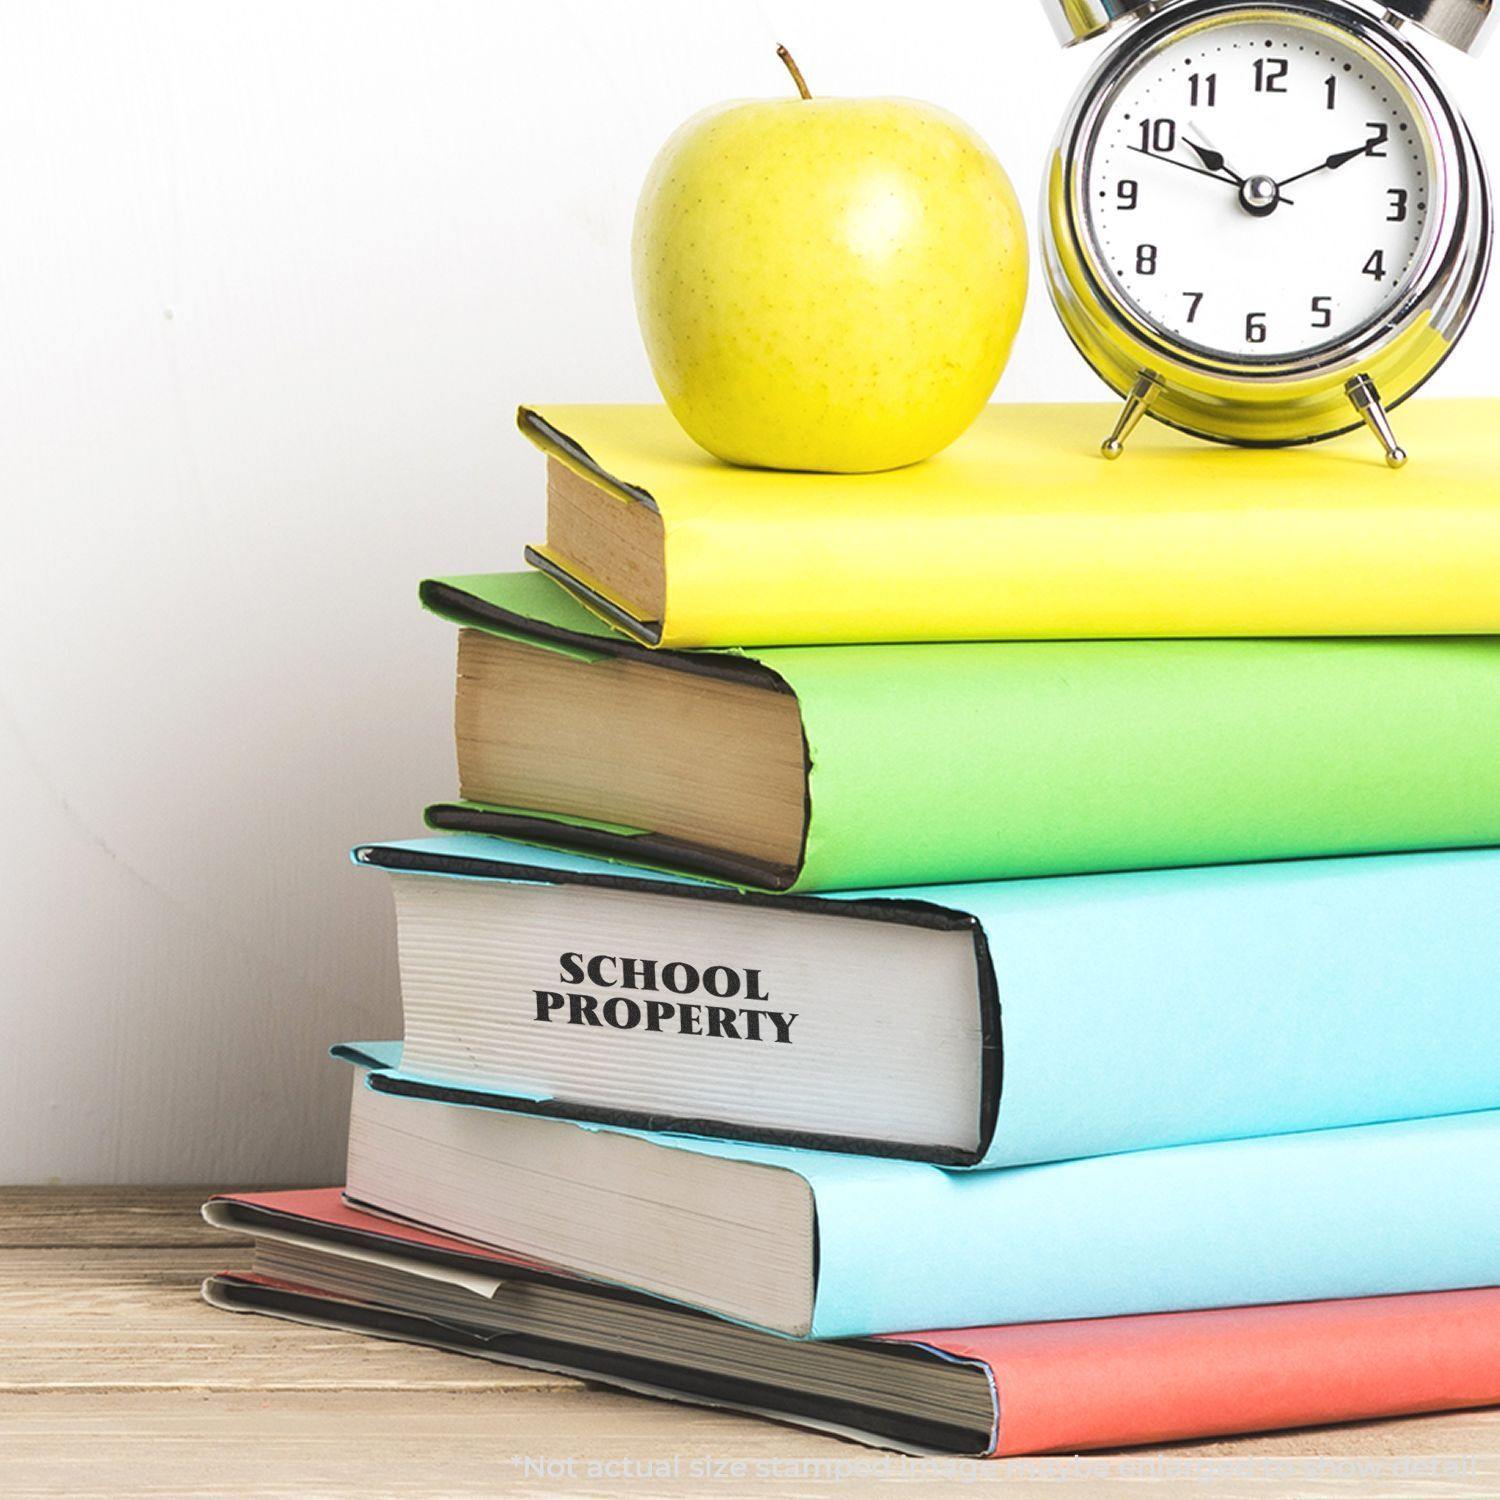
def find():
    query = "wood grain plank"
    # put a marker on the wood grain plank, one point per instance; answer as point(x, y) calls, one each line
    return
point(104, 1217)
point(578, 1443)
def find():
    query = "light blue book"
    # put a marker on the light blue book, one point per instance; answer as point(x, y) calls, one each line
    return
point(815, 1244)
point(984, 1025)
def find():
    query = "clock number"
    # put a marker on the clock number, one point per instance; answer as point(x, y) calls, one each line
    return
point(1203, 89)
point(1332, 85)
point(1159, 135)
point(1323, 309)
point(1377, 141)
point(1398, 197)
point(1270, 75)
point(1128, 191)
point(1375, 266)
point(1195, 301)
point(1255, 328)
point(1145, 260)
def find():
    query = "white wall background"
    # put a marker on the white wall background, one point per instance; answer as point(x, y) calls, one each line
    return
point(272, 279)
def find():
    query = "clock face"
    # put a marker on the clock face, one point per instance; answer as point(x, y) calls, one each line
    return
point(1259, 188)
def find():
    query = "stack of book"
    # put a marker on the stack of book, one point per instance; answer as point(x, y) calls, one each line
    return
point(859, 984)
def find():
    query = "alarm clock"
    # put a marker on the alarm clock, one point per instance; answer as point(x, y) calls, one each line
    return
point(1265, 223)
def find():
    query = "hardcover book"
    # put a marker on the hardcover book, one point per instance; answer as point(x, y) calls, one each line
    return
point(987, 1024)
point(838, 767)
point(1018, 530)
point(813, 1244)
point(993, 1392)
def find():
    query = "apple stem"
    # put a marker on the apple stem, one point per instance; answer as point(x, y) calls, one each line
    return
point(795, 71)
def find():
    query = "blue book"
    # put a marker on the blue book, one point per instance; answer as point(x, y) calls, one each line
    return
point(989, 1025)
point(816, 1244)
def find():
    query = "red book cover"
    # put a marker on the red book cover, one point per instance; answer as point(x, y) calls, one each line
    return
point(1163, 1377)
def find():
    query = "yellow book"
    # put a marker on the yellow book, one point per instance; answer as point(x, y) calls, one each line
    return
point(1020, 530)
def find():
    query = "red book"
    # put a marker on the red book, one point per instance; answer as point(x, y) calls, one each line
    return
point(1026, 1388)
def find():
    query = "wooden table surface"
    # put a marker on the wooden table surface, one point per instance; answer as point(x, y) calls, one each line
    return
point(116, 1380)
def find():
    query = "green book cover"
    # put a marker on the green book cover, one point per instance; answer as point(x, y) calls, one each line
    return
point(947, 762)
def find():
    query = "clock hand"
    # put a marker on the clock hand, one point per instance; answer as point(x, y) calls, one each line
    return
point(1332, 164)
point(1230, 181)
point(1172, 161)
point(1214, 161)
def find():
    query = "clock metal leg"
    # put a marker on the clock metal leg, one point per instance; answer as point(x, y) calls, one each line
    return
point(1366, 400)
point(1146, 389)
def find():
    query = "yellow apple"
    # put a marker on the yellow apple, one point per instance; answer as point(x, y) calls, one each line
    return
point(829, 284)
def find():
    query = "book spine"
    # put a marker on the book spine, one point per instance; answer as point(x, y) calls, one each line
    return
point(1117, 1382)
point(1182, 1006)
point(1377, 1210)
point(940, 763)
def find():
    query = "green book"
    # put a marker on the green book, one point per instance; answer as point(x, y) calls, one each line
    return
point(844, 767)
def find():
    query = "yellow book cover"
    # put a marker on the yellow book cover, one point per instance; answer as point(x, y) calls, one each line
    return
point(1021, 531)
